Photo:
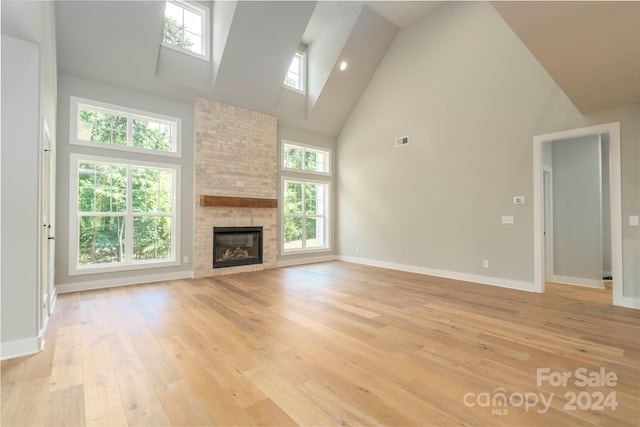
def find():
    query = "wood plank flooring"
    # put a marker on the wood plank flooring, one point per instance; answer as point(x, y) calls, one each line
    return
point(330, 344)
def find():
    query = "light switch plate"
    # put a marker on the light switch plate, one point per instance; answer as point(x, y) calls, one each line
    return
point(634, 220)
point(507, 219)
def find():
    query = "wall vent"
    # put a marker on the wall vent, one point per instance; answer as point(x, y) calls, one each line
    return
point(402, 141)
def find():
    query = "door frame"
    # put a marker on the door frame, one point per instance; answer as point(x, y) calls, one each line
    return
point(547, 192)
point(46, 215)
point(613, 129)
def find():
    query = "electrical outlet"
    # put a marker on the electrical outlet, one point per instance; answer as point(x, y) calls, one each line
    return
point(518, 200)
point(485, 263)
point(185, 260)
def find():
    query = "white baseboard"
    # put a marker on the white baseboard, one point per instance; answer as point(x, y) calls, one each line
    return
point(23, 347)
point(483, 280)
point(27, 346)
point(578, 281)
point(305, 260)
point(63, 288)
point(627, 302)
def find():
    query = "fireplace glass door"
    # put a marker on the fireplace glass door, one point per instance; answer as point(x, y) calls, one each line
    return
point(234, 246)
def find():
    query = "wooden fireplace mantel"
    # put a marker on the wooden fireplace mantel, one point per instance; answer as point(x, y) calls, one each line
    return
point(237, 202)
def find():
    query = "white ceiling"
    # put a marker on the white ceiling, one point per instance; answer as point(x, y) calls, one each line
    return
point(248, 68)
point(591, 49)
point(403, 13)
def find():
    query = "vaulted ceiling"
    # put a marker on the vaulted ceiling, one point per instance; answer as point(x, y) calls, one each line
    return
point(253, 43)
point(591, 49)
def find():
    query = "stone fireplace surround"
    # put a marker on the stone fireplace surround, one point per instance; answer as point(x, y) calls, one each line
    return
point(236, 156)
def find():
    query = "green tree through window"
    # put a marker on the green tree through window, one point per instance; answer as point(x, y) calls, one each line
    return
point(174, 33)
point(117, 200)
point(104, 125)
point(102, 204)
point(304, 215)
point(305, 159)
point(305, 200)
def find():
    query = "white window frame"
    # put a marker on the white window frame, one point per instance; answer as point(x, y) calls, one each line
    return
point(130, 114)
point(304, 148)
point(306, 177)
point(205, 13)
point(302, 72)
point(74, 244)
point(326, 215)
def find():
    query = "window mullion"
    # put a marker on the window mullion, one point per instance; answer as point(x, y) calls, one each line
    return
point(304, 158)
point(182, 23)
point(128, 219)
point(129, 130)
point(304, 213)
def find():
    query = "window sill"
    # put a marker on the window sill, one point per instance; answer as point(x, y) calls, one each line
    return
point(128, 148)
point(187, 52)
point(306, 172)
point(290, 252)
point(108, 268)
point(295, 90)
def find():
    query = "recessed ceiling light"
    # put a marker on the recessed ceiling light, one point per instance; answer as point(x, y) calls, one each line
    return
point(343, 65)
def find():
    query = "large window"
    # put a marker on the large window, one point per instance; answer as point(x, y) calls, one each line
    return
point(186, 27)
point(303, 158)
point(123, 214)
point(306, 187)
point(295, 78)
point(95, 123)
point(305, 215)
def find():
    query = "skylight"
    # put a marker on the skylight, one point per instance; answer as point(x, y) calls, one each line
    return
point(186, 27)
point(296, 73)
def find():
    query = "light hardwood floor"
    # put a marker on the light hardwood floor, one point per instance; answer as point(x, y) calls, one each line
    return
point(328, 344)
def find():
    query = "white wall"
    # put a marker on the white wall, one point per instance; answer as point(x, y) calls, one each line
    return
point(20, 222)
point(70, 86)
point(29, 92)
point(470, 96)
point(577, 211)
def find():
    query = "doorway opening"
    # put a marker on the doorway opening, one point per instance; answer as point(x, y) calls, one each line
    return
point(542, 222)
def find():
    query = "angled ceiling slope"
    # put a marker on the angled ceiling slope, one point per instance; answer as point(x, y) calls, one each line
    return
point(18, 22)
point(119, 43)
point(263, 38)
point(111, 42)
point(368, 40)
point(591, 49)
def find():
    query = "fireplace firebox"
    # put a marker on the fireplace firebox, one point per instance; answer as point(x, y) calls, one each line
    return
point(234, 246)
